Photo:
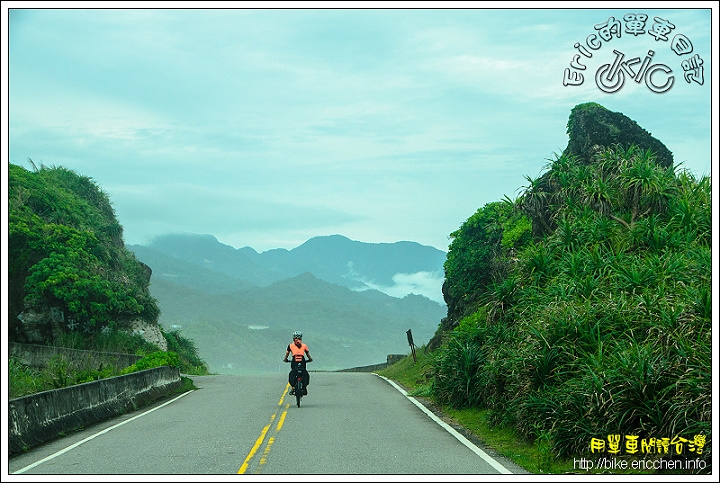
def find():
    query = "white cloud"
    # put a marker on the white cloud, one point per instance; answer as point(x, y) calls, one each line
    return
point(428, 284)
point(274, 126)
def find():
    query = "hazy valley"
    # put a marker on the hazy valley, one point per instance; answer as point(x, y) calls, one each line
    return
point(240, 306)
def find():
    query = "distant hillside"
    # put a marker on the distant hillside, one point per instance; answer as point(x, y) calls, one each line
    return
point(338, 259)
point(207, 252)
point(240, 306)
point(188, 274)
point(250, 329)
point(395, 268)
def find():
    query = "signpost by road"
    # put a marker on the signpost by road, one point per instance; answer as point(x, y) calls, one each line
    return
point(412, 344)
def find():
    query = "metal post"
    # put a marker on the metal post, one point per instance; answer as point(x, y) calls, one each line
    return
point(412, 345)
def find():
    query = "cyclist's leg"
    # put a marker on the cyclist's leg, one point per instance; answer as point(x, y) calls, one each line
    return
point(292, 376)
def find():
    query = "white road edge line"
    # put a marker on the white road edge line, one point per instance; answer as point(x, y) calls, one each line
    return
point(55, 455)
point(488, 459)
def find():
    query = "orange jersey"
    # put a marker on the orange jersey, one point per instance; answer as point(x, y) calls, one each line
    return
point(298, 352)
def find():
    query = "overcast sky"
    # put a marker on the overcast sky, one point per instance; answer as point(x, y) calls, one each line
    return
point(266, 127)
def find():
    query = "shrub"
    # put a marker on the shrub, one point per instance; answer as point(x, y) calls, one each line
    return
point(155, 359)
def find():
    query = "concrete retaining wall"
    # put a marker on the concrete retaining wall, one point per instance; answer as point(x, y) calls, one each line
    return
point(41, 417)
point(391, 359)
point(36, 355)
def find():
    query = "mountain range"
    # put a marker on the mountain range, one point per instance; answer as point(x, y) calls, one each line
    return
point(354, 301)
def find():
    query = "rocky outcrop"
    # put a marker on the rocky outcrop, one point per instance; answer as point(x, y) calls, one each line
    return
point(149, 332)
point(592, 127)
point(41, 326)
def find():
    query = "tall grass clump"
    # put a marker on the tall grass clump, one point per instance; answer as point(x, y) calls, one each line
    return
point(61, 372)
point(58, 372)
point(607, 331)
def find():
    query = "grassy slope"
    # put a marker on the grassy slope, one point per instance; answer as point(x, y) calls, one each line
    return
point(416, 378)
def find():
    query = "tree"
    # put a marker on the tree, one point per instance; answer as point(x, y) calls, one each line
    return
point(480, 253)
point(68, 260)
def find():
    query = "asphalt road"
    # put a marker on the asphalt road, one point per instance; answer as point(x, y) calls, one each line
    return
point(351, 423)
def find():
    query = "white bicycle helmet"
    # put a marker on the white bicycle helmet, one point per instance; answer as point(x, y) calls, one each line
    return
point(297, 335)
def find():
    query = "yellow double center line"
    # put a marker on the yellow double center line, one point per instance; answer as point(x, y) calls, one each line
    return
point(261, 438)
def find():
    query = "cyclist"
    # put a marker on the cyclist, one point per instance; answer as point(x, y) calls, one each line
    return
point(298, 350)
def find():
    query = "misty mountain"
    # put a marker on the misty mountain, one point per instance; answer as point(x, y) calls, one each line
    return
point(240, 306)
point(207, 252)
point(188, 274)
point(338, 259)
point(249, 330)
point(396, 268)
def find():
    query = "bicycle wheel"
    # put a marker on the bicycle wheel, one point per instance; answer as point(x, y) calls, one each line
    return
point(298, 391)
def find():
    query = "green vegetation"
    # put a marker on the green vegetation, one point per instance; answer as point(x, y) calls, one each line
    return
point(597, 325)
point(417, 378)
point(156, 359)
point(62, 372)
point(479, 253)
point(189, 361)
point(58, 373)
point(67, 256)
point(579, 312)
point(73, 284)
point(591, 126)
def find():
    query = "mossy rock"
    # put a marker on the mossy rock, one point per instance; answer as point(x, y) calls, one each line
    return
point(592, 127)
